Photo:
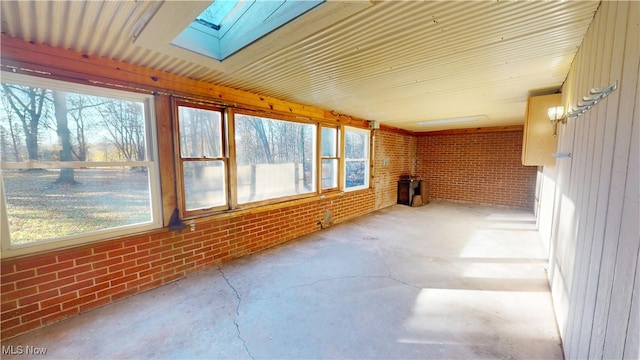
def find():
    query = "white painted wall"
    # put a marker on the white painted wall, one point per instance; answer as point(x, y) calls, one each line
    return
point(589, 204)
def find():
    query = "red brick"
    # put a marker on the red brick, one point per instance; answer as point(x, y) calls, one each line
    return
point(136, 242)
point(32, 264)
point(74, 271)
point(74, 255)
point(122, 266)
point(151, 285)
point(55, 267)
point(93, 289)
point(106, 263)
point(165, 273)
point(92, 274)
point(7, 269)
point(20, 293)
point(58, 300)
point(11, 277)
point(36, 280)
point(123, 280)
point(94, 304)
point(78, 301)
point(111, 290)
point(148, 259)
point(38, 297)
point(7, 306)
point(106, 248)
point(135, 255)
point(10, 332)
point(76, 286)
point(41, 313)
point(91, 259)
point(161, 262)
point(108, 277)
point(182, 243)
point(21, 310)
point(138, 281)
point(56, 284)
point(11, 322)
point(183, 255)
point(124, 294)
point(136, 269)
point(50, 319)
point(170, 278)
point(120, 252)
point(147, 246)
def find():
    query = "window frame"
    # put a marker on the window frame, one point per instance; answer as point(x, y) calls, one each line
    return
point(338, 157)
point(366, 159)
point(151, 163)
point(179, 160)
point(233, 163)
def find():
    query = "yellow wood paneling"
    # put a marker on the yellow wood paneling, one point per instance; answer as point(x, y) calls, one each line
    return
point(539, 143)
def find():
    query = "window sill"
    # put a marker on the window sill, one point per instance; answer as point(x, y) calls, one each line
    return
point(254, 209)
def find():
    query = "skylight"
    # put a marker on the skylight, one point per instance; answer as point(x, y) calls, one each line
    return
point(227, 26)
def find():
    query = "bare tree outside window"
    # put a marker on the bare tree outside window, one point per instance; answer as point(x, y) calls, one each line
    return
point(50, 127)
point(28, 104)
point(275, 158)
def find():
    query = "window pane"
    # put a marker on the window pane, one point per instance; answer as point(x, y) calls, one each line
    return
point(356, 158)
point(329, 142)
point(356, 145)
point(39, 208)
point(53, 125)
point(200, 133)
point(329, 173)
point(356, 173)
point(204, 184)
point(274, 158)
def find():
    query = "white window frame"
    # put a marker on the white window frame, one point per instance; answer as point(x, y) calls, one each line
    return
point(337, 157)
point(8, 249)
point(366, 159)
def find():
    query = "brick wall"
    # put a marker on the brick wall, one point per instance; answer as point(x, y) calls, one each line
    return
point(481, 167)
point(40, 289)
point(395, 154)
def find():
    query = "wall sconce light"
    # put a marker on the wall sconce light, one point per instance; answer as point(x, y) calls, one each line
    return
point(556, 114)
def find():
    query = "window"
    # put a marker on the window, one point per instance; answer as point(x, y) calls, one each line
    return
point(202, 163)
point(356, 153)
point(227, 26)
point(274, 158)
point(77, 164)
point(330, 157)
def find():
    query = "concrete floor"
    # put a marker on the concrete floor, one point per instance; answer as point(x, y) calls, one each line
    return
point(442, 281)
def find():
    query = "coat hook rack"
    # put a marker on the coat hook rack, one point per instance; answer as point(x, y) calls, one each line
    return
point(594, 97)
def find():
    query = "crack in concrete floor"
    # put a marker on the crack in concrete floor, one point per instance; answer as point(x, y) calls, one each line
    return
point(235, 320)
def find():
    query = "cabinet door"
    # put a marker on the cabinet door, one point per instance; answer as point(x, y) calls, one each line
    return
point(539, 143)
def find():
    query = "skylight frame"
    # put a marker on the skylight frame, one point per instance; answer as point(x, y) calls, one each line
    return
point(242, 24)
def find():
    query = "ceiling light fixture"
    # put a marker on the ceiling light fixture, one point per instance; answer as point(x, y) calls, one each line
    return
point(454, 120)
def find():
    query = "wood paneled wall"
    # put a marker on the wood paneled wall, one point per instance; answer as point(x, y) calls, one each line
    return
point(593, 232)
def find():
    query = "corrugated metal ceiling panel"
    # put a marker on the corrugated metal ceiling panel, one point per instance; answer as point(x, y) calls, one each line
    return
point(398, 62)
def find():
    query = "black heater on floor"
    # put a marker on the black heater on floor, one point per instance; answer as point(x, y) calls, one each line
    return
point(412, 191)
